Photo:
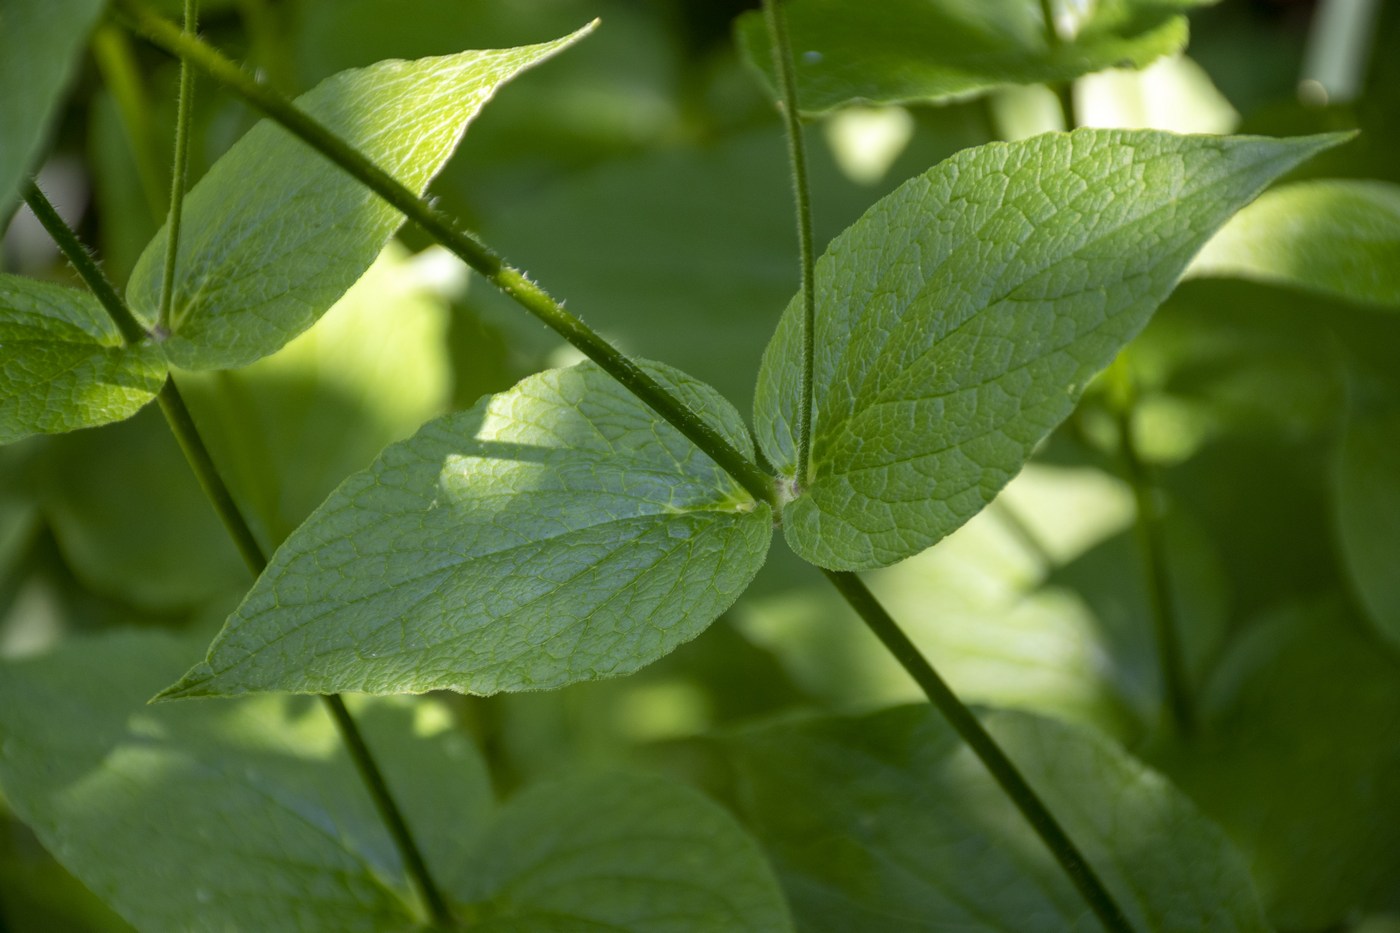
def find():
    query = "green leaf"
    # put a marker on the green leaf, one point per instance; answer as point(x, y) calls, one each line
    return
point(894, 825)
point(960, 319)
point(1340, 238)
point(64, 364)
point(919, 50)
point(245, 815)
point(1366, 510)
point(1298, 757)
point(40, 41)
point(275, 233)
point(553, 533)
point(622, 852)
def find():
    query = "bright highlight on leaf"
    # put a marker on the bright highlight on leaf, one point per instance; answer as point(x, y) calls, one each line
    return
point(899, 51)
point(959, 320)
point(553, 533)
point(63, 363)
point(40, 41)
point(1340, 238)
point(274, 234)
point(894, 824)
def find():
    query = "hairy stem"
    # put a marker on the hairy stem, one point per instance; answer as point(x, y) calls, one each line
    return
point(508, 279)
point(1002, 769)
point(787, 85)
point(178, 176)
point(182, 425)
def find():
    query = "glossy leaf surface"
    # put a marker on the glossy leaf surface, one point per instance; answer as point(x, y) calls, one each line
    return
point(556, 532)
point(63, 364)
point(274, 234)
point(960, 318)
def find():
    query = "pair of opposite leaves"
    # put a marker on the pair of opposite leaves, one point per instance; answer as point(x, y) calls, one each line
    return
point(560, 531)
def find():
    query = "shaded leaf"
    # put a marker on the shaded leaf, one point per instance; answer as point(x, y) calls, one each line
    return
point(274, 234)
point(64, 364)
point(556, 532)
point(1340, 238)
point(1366, 510)
point(921, 50)
point(894, 825)
point(960, 319)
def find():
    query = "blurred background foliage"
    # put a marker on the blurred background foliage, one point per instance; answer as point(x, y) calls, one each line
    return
point(642, 177)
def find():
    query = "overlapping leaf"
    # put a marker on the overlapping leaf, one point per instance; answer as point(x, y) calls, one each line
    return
point(1340, 238)
point(63, 363)
point(275, 233)
point(553, 533)
point(39, 44)
point(959, 320)
point(894, 825)
point(922, 50)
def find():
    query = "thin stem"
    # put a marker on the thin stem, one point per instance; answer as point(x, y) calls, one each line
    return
point(112, 52)
point(513, 282)
point(1002, 769)
point(178, 176)
point(1064, 90)
point(787, 85)
point(1153, 549)
point(177, 415)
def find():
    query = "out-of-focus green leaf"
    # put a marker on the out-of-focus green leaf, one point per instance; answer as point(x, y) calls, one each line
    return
point(1298, 757)
point(1366, 502)
point(961, 317)
point(287, 429)
point(1340, 238)
point(274, 234)
point(39, 44)
point(553, 533)
point(244, 815)
point(620, 852)
point(65, 365)
point(922, 50)
point(888, 822)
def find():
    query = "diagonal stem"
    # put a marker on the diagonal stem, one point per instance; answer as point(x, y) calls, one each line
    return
point(178, 176)
point(1002, 769)
point(182, 425)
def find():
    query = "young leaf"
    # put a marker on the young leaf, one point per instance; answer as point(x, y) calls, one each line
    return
point(917, 50)
point(39, 44)
point(553, 533)
point(65, 365)
point(244, 815)
point(1340, 238)
point(274, 233)
point(621, 852)
point(959, 320)
point(895, 825)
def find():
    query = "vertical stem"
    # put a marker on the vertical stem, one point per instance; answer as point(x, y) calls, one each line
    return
point(178, 176)
point(1153, 549)
point(182, 424)
point(787, 85)
point(112, 52)
point(1002, 769)
point(1064, 90)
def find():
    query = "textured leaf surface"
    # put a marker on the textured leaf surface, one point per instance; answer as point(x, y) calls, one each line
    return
point(243, 815)
point(553, 533)
point(959, 320)
point(1366, 503)
point(1298, 757)
point(39, 44)
point(922, 50)
point(63, 364)
point(896, 826)
point(619, 852)
point(274, 234)
point(1340, 238)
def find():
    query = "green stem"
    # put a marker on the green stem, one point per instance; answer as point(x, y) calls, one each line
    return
point(474, 253)
point(112, 52)
point(1002, 769)
point(1064, 90)
point(178, 176)
point(182, 425)
point(1153, 549)
point(787, 85)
